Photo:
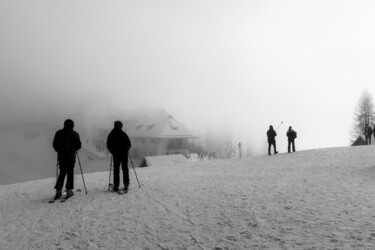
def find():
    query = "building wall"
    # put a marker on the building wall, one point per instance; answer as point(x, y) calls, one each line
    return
point(142, 147)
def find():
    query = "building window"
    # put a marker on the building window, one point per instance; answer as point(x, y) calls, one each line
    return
point(175, 143)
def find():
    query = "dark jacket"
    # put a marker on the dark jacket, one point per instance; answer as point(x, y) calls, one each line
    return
point(271, 134)
point(118, 142)
point(291, 134)
point(368, 131)
point(66, 143)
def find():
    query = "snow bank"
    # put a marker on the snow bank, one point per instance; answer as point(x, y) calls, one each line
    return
point(194, 157)
point(164, 160)
point(320, 199)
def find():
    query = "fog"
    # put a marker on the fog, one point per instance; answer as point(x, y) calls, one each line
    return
point(239, 65)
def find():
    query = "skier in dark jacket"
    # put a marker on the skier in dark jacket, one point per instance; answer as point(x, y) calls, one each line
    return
point(66, 143)
point(271, 134)
point(118, 144)
point(368, 133)
point(292, 135)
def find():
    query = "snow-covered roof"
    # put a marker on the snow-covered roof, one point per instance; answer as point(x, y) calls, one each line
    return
point(359, 141)
point(155, 123)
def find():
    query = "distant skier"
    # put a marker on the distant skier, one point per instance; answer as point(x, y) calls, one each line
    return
point(118, 144)
point(271, 134)
point(292, 135)
point(66, 143)
point(200, 156)
point(368, 133)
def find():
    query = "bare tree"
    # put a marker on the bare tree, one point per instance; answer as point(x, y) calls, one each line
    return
point(364, 114)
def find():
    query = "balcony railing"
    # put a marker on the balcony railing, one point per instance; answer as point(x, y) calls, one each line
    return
point(177, 146)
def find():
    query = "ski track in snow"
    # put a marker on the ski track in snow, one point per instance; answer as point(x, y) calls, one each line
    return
point(320, 199)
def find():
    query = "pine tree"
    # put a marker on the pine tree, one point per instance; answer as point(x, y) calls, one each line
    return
point(364, 114)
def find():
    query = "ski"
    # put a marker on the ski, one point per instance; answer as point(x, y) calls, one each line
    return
point(54, 200)
point(76, 192)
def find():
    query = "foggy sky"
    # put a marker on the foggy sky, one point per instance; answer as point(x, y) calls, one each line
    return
point(239, 64)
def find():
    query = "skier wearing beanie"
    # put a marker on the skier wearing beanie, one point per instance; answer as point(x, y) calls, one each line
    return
point(66, 143)
point(118, 144)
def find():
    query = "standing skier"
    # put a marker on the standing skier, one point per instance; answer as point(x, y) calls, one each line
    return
point(118, 145)
point(291, 134)
point(271, 134)
point(66, 143)
point(368, 133)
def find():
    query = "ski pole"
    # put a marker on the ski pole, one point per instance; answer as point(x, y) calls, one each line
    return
point(110, 172)
point(134, 171)
point(279, 126)
point(79, 162)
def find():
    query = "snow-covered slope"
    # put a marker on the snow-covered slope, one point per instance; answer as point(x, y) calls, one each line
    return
point(318, 199)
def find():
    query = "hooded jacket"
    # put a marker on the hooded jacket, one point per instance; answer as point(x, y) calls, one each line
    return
point(291, 134)
point(271, 134)
point(118, 142)
point(368, 131)
point(66, 143)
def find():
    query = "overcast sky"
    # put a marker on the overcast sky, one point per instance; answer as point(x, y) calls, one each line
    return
point(241, 64)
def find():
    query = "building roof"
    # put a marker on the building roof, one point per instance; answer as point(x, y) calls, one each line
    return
point(359, 141)
point(155, 123)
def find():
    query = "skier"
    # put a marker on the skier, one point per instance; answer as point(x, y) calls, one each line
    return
point(66, 143)
point(271, 134)
point(291, 134)
point(368, 133)
point(118, 144)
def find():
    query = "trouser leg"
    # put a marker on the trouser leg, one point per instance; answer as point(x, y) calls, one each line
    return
point(293, 146)
point(66, 167)
point(116, 171)
point(60, 180)
point(289, 142)
point(70, 175)
point(274, 148)
point(269, 148)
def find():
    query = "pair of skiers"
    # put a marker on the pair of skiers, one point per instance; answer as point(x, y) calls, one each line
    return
point(67, 142)
point(271, 134)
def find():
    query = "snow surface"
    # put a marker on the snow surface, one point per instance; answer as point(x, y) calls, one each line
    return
point(164, 159)
point(318, 199)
